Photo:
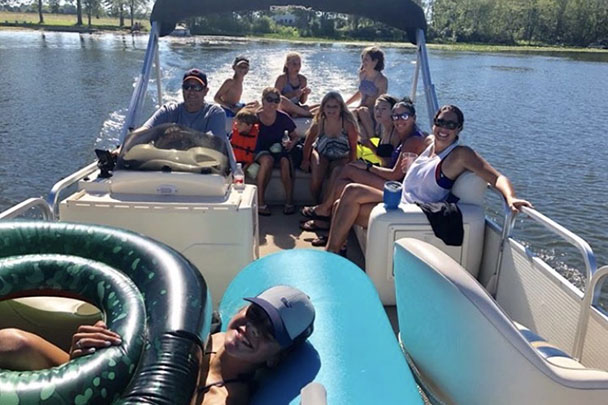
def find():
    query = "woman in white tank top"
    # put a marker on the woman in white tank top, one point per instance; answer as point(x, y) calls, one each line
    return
point(431, 176)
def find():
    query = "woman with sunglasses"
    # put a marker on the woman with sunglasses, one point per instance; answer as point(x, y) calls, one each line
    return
point(428, 179)
point(331, 140)
point(365, 180)
point(271, 149)
point(259, 335)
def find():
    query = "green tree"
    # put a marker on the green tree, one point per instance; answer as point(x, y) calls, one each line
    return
point(41, 18)
point(91, 7)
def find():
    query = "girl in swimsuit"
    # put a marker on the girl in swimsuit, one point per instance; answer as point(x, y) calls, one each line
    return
point(366, 178)
point(293, 87)
point(252, 341)
point(384, 128)
point(372, 83)
point(428, 179)
point(331, 140)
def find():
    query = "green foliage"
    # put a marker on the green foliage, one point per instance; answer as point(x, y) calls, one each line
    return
point(555, 22)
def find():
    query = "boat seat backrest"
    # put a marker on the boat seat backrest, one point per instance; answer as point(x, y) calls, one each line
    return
point(458, 336)
point(470, 188)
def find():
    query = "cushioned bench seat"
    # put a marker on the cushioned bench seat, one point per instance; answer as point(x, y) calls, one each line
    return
point(386, 226)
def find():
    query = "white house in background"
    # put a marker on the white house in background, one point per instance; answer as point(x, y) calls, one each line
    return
point(283, 14)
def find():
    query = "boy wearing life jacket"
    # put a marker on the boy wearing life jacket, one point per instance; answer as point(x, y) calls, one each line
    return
point(245, 129)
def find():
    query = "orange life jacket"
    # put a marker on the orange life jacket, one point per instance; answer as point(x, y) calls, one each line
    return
point(244, 145)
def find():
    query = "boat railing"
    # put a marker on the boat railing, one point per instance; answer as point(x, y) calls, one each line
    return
point(20, 209)
point(593, 293)
point(139, 93)
point(592, 283)
point(53, 198)
point(422, 65)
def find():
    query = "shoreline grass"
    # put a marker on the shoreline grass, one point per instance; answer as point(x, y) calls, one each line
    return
point(63, 22)
point(67, 23)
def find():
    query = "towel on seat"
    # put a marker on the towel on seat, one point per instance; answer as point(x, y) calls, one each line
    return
point(446, 221)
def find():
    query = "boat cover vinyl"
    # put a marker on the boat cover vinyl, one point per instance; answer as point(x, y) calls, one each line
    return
point(353, 351)
point(175, 296)
point(402, 14)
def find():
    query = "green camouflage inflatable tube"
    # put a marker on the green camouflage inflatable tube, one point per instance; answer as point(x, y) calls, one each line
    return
point(150, 294)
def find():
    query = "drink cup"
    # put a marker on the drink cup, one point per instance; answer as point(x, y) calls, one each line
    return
point(408, 159)
point(392, 194)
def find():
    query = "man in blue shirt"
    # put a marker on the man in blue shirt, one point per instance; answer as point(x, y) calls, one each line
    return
point(193, 112)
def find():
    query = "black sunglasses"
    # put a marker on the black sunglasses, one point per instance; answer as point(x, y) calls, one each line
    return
point(275, 100)
point(192, 87)
point(446, 124)
point(403, 116)
point(259, 318)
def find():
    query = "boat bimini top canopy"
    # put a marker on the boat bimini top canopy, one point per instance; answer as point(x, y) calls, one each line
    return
point(402, 14)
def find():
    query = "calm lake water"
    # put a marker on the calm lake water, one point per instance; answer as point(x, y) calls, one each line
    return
point(540, 119)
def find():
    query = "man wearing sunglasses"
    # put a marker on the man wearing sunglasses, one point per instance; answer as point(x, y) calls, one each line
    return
point(259, 335)
point(193, 112)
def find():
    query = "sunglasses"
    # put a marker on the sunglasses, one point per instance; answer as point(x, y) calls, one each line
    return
point(275, 100)
point(258, 317)
point(192, 87)
point(402, 116)
point(446, 124)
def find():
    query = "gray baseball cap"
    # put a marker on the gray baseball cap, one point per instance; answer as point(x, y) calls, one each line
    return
point(290, 311)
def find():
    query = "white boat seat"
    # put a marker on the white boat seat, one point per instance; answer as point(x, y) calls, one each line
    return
point(408, 220)
point(466, 348)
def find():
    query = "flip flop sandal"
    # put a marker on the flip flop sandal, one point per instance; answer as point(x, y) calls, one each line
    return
point(311, 226)
point(320, 241)
point(309, 212)
point(289, 209)
point(264, 211)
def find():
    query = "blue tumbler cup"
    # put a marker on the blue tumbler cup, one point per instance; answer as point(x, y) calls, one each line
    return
point(392, 194)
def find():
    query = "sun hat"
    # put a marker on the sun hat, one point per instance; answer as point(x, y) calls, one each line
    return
point(196, 75)
point(290, 311)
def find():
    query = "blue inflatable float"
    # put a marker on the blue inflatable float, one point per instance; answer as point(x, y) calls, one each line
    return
point(353, 351)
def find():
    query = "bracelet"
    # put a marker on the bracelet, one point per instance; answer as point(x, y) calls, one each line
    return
point(368, 166)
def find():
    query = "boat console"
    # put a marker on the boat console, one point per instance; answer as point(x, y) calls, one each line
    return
point(175, 185)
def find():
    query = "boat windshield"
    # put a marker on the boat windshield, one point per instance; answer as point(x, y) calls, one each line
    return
point(174, 148)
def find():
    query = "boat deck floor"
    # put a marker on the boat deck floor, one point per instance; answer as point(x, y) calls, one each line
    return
point(279, 232)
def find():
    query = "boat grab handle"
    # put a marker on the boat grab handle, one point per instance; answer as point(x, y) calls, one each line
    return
point(19, 209)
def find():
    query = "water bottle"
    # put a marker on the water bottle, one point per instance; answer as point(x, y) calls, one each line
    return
point(238, 177)
point(285, 140)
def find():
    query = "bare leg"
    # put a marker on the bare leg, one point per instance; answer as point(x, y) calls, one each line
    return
point(266, 163)
point(348, 175)
point(347, 211)
point(293, 109)
point(287, 180)
point(21, 351)
point(318, 169)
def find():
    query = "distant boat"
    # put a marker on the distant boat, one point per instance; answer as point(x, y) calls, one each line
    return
point(181, 31)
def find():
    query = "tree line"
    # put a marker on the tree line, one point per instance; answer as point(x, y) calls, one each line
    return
point(552, 22)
